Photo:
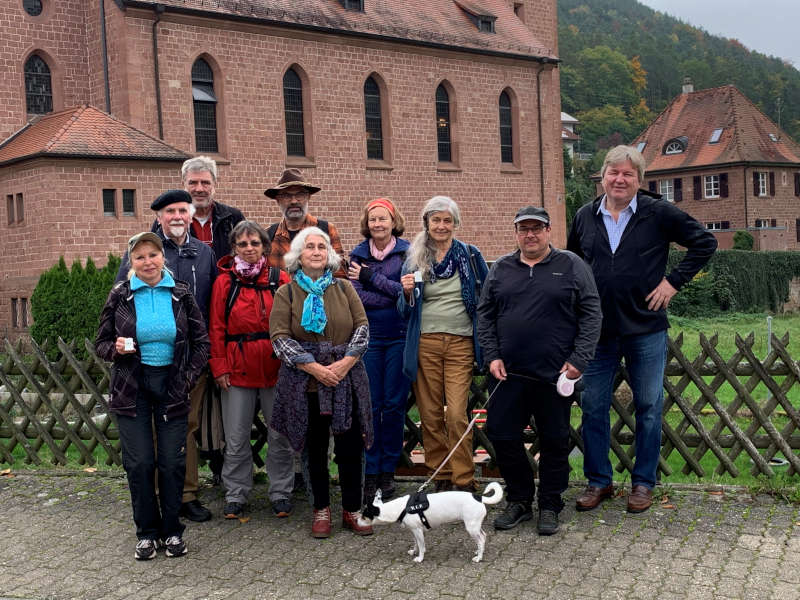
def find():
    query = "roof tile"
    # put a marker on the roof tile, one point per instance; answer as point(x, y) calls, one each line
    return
point(84, 131)
point(428, 21)
point(745, 132)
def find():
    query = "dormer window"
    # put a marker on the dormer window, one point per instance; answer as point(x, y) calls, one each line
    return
point(357, 5)
point(478, 15)
point(676, 145)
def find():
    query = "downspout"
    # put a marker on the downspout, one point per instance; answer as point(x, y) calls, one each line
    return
point(104, 45)
point(159, 10)
point(744, 174)
point(539, 127)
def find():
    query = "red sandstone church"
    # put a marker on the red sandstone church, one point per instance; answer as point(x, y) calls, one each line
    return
point(103, 100)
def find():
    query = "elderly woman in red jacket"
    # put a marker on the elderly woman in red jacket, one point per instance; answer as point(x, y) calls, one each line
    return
point(245, 368)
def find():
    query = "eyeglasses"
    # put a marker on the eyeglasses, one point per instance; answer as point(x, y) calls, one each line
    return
point(293, 195)
point(536, 230)
point(244, 244)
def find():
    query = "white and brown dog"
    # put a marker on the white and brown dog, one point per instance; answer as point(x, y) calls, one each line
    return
point(443, 507)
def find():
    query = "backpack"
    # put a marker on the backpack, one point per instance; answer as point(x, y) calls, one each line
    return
point(321, 223)
point(237, 285)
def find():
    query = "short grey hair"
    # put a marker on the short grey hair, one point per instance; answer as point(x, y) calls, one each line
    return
point(200, 163)
point(620, 154)
point(292, 257)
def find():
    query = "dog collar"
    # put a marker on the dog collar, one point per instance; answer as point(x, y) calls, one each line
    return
point(416, 505)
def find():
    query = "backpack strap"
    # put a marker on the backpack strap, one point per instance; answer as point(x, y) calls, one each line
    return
point(271, 232)
point(233, 294)
point(237, 285)
point(323, 224)
point(274, 279)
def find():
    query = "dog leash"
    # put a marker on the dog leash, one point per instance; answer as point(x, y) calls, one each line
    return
point(469, 428)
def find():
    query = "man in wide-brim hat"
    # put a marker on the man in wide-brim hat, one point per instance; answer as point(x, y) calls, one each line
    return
point(292, 193)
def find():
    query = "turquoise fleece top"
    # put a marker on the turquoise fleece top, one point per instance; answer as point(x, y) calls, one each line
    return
point(155, 321)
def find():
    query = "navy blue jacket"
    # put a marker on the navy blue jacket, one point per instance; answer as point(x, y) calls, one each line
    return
point(379, 287)
point(627, 276)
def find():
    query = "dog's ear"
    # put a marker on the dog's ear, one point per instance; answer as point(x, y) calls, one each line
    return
point(378, 495)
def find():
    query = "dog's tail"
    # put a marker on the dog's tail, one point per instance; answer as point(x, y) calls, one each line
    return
point(496, 495)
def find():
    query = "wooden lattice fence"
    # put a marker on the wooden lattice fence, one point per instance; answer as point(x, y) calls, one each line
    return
point(721, 414)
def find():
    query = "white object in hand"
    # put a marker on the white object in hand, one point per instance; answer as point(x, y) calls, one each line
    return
point(417, 276)
point(565, 386)
point(128, 344)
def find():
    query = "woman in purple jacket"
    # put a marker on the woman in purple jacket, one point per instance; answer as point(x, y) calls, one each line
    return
point(375, 266)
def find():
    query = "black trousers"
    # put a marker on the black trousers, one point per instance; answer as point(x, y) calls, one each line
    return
point(348, 453)
point(509, 412)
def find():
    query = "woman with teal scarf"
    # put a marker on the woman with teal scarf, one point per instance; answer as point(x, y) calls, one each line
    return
point(319, 330)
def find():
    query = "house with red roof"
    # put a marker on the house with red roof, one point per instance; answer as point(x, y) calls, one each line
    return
point(102, 100)
point(722, 160)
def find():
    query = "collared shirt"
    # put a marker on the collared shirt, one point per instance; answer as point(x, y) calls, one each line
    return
point(203, 231)
point(616, 228)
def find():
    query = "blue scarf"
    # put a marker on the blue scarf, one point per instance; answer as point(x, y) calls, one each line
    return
point(314, 318)
point(457, 260)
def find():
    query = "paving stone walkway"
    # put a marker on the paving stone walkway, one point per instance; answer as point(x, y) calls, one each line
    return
point(66, 537)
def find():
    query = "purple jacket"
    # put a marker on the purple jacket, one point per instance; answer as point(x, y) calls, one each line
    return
point(379, 287)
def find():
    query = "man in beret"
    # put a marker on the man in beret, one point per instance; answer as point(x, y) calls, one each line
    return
point(292, 194)
point(193, 262)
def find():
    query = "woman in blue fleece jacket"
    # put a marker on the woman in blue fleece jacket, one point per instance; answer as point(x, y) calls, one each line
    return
point(375, 266)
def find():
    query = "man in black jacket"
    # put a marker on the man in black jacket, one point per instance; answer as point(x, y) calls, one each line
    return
point(193, 262)
point(538, 316)
point(624, 236)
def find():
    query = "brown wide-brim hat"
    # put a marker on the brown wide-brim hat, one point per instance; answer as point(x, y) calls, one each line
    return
point(290, 177)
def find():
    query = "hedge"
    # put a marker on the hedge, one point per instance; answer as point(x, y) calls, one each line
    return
point(736, 280)
point(67, 303)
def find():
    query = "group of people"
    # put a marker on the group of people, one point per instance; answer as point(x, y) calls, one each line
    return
point(327, 347)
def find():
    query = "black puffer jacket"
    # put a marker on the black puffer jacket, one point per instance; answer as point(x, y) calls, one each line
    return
point(118, 319)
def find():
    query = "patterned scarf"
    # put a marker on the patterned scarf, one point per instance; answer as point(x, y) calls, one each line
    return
point(381, 254)
point(314, 318)
point(248, 270)
point(457, 259)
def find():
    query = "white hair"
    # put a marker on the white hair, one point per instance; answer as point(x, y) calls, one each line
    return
point(292, 257)
point(422, 253)
point(200, 163)
point(192, 210)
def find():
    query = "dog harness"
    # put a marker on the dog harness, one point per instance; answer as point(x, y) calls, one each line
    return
point(417, 505)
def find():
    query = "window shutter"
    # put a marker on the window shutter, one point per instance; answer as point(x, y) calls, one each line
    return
point(698, 193)
point(771, 183)
point(677, 189)
point(726, 224)
point(755, 183)
point(652, 186)
point(797, 184)
point(723, 185)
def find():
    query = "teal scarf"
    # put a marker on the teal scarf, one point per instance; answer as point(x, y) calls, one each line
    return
point(314, 318)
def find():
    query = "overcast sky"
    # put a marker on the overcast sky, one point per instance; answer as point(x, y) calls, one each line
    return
point(768, 26)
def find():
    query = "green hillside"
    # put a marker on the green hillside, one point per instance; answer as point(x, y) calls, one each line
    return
point(623, 62)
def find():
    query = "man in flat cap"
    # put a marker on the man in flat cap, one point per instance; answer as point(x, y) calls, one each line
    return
point(193, 262)
point(538, 317)
point(292, 193)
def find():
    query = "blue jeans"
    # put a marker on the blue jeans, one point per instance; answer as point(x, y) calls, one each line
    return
point(645, 357)
point(388, 389)
point(155, 516)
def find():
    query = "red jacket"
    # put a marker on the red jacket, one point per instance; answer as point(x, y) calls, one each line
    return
point(250, 363)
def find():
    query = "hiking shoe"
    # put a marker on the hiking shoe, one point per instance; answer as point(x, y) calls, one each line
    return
point(386, 483)
point(282, 508)
point(175, 546)
point(145, 550)
point(194, 511)
point(547, 523)
point(233, 510)
point(514, 514)
point(350, 521)
point(321, 525)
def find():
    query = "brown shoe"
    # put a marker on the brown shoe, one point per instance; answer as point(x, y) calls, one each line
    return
point(350, 521)
point(471, 487)
point(592, 496)
point(321, 525)
point(640, 499)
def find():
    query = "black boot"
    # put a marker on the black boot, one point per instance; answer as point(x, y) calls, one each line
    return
point(387, 486)
point(370, 486)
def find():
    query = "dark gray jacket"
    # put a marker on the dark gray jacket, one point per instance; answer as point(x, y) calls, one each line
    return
point(537, 318)
point(223, 219)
